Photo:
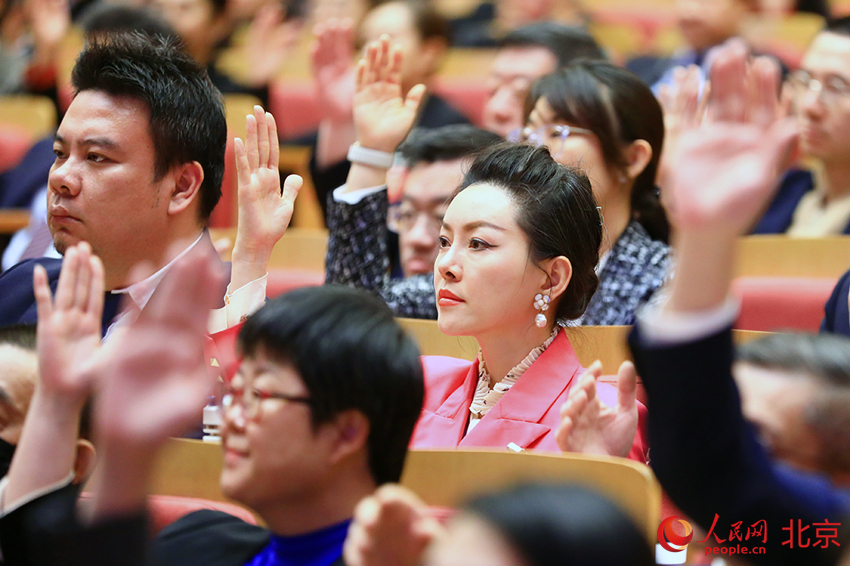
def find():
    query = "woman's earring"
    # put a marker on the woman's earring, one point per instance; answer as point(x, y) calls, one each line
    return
point(541, 303)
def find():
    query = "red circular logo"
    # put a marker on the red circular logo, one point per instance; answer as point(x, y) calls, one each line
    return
point(666, 535)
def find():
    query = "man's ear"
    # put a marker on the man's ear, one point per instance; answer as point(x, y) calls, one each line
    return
point(396, 177)
point(638, 156)
point(560, 271)
point(188, 178)
point(351, 430)
point(85, 461)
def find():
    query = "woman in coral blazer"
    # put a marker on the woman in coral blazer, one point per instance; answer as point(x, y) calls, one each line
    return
point(518, 251)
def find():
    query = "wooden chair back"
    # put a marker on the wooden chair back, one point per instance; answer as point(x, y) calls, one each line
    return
point(300, 248)
point(781, 256)
point(447, 478)
point(30, 113)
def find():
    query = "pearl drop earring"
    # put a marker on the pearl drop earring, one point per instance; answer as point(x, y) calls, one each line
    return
point(541, 302)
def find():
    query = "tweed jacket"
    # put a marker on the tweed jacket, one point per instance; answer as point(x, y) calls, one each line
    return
point(636, 267)
point(357, 256)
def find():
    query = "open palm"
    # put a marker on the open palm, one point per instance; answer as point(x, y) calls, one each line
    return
point(590, 426)
point(382, 115)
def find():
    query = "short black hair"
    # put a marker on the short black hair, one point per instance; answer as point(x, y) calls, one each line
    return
point(186, 111)
point(351, 354)
point(103, 17)
point(22, 336)
point(567, 43)
point(557, 211)
point(457, 141)
point(839, 26)
point(428, 22)
point(561, 524)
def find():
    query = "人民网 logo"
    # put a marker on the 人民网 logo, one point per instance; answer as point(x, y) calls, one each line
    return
point(667, 537)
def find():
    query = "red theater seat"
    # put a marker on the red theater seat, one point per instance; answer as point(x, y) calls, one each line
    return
point(14, 144)
point(782, 303)
point(293, 104)
point(165, 509)
point(466, 94)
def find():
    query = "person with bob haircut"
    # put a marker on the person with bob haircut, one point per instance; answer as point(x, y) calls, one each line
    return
point(318, 415)
point(525, 525)
point(518, 250)
point(603, 119)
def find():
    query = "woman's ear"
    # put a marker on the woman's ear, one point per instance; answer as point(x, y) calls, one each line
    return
point(638, 156)
point(560, 271)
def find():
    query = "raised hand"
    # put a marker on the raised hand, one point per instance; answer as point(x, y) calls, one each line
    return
point(152, 375)
point(390, 528)
point(332, 58)
point(726, 170)
point(682, 112)
point(69, 325)
point(382, 114)
point(68, 342)
point(264, 210)
point(270, 40)
point(590, 426)
point(50, 21)
point(153, 381)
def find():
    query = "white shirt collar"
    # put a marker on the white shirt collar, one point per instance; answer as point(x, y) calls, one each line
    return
point(140, 292)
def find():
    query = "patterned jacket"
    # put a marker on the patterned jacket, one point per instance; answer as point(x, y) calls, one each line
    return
point(357, 256)
point(636, 267)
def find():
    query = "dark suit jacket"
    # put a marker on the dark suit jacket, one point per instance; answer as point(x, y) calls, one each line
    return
point(19, 185)
point(45, 532)
point(836, 313)
point(17, 300)
point(779, 215)
point(709, 461)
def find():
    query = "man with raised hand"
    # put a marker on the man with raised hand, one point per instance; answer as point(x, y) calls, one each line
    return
point(139, 165)
point(709, 461)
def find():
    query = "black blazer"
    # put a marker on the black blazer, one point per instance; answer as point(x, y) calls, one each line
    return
point(836, 312)
point(709, 462)
point(17, 299)
point(45, 532)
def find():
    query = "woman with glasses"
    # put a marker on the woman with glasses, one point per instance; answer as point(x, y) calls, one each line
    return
point(603, 119)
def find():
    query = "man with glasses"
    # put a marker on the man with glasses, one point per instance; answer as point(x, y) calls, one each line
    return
point(818, 204)
point(525, 55)
point(319, 414)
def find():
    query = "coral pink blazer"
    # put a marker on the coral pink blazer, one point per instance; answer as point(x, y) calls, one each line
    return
point(528, 415)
